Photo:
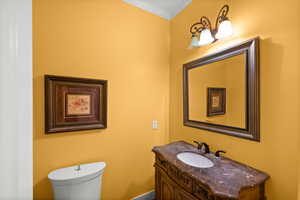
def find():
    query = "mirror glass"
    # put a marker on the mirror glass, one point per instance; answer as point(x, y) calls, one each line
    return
point(217, 92)
point(221, 91)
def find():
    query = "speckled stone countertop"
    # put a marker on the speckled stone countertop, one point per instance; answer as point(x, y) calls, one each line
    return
point(226, 178)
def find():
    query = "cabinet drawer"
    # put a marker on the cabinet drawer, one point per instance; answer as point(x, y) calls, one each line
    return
point(202, 193)
point(161, 162)
point(180, 178)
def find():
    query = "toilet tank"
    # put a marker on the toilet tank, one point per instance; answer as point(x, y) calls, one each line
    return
point(78, 182)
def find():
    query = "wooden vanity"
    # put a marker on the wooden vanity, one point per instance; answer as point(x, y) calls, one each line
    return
point(226, 180)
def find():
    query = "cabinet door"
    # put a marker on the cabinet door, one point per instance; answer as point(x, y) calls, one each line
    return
point(164, 190)
point(167, 190)
point(182, 195)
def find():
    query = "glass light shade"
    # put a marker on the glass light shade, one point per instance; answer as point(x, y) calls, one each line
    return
point(225, 30)
point(194, 42)
point(205, 37)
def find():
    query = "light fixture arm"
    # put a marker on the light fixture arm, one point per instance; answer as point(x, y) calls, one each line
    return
point(222, 15)
point(196, 28)
point(203, 33)
point(200, 26)
point(205, 23)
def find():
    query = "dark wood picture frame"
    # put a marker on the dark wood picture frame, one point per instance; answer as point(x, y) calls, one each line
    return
point(250, 49)
point(220, 109)
point(74, 104)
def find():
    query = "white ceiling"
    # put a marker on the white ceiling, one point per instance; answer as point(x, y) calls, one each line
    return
point(163, 8)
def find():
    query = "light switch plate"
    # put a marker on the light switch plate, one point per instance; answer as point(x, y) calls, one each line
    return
point(155, 124)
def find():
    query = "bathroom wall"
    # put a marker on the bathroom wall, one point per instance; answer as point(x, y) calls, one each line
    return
point(128, 47)
point(227, 74)
point(277, 23)
point(199, 80)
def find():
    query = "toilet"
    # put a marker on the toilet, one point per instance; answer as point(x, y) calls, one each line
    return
point(78, 182)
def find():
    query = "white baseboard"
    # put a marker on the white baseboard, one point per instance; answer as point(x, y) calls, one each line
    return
point(147, 196)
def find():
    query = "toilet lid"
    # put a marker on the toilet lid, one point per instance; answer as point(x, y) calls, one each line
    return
point(74, 173)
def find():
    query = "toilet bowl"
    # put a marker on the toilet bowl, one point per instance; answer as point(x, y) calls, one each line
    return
point(78, 182)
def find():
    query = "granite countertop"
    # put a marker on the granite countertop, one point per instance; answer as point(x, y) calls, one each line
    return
point(225, 179)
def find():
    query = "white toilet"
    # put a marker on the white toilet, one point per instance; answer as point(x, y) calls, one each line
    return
point(78, 182)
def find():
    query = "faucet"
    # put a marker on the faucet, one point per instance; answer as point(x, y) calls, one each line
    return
point(200, 146)
point(217, 154)
point(78, 168)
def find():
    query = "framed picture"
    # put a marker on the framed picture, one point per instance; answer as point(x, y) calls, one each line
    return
point(216, 101)
point(73, 104)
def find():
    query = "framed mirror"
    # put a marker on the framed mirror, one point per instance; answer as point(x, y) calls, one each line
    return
point(221, 91)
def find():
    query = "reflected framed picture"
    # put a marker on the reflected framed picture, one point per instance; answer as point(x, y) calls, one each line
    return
point(216, 101)
point(73, 104)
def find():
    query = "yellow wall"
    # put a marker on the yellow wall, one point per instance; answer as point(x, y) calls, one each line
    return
point(200, 79)
point(229, 74)
point(277, 23)
point(236, 92)
point(128, 47)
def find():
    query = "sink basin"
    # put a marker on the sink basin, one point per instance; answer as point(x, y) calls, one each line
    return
point(195, 160)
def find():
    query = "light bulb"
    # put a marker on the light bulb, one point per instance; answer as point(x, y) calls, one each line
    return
point(225, 30)
point(205, 37)
point(194, 42)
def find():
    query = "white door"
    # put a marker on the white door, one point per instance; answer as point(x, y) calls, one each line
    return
point(15, 99)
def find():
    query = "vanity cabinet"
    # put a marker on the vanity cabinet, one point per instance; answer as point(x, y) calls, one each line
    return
point(167, 189)
point(226, 180)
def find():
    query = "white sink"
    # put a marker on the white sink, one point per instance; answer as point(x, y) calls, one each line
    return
point(195, 160)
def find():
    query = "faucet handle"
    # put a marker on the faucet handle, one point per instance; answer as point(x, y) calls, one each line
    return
point(198, 144)
point(217, 154)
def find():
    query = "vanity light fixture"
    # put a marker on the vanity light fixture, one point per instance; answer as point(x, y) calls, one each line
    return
point(203, 33)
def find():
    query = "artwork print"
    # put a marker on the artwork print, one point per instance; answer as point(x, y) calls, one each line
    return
point(74, 104)
point(216, 101)
point(78, 104)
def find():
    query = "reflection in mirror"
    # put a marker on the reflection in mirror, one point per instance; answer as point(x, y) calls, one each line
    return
point(221, 92)
point(217, 92)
